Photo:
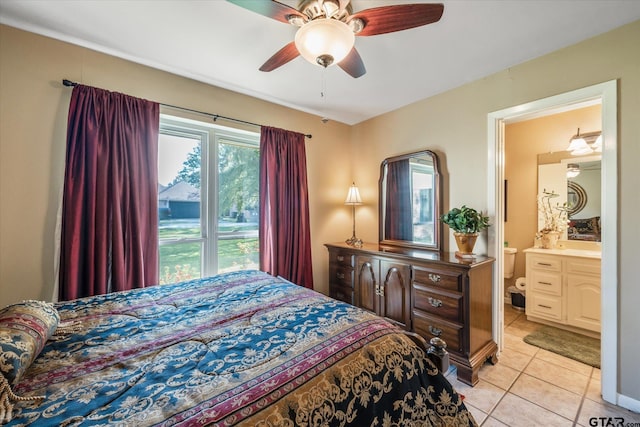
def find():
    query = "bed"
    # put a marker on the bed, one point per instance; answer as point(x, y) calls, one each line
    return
point(584, 229)
point(242, 348)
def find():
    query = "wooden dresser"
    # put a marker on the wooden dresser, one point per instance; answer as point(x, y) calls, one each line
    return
point(431, 293)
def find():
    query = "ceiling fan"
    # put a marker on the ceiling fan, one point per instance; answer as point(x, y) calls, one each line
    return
point(328, 28)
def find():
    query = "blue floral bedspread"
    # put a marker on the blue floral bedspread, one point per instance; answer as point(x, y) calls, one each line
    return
point(241, 348)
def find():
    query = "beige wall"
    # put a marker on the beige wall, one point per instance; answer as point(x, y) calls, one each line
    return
point(33, 108)
point(33, 111)
point(523, 142)
point(454, 124)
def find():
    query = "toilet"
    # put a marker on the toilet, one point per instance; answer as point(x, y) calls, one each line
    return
point(518, 291)
point(509, 262)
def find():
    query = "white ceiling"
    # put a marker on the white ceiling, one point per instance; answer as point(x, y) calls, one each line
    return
point(217, 42)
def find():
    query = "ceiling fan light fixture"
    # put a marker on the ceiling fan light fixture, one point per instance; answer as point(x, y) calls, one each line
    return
point(573, 170)
point(324, 41)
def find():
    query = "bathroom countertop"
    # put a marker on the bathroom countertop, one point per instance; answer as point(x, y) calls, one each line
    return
point(567, 252)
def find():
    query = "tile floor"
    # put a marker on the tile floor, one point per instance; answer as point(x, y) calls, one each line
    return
point(530, 386)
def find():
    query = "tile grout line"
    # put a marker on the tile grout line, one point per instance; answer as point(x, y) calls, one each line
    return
point(583, 396)
point(507, 391)
point(514, 381)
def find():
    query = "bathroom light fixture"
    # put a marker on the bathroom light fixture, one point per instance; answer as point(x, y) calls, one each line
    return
point(353, 199)
point(597, 146)
point(324, 41)
point(573, 170)
point(578, 146)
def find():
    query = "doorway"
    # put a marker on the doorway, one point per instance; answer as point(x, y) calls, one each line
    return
point(607, 94)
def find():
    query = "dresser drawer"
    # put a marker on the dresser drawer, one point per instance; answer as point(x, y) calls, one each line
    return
point(430, 326)
point(441, 304)
point(342, 293)
point(545, 306)
point(340, 275)
point(344, 259)
point(546, 263)
point(550, 283)
point(450, 280)
point(583, 266)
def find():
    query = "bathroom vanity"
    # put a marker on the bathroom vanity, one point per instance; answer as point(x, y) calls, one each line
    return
point(563, 288)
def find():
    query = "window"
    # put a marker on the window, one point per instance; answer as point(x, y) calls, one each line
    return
point(422, 195)
point(207, 199)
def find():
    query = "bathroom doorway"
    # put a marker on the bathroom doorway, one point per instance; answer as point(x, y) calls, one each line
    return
point(606, 94)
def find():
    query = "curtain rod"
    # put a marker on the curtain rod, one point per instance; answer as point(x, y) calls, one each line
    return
point(69, 83)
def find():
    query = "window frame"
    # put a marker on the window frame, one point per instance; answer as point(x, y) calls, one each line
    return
point(210, 136)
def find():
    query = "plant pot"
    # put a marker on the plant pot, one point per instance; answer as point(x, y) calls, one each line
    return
point(465, 242)
point(549, 240)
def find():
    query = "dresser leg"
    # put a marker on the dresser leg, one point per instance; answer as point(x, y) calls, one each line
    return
point(493, 359)
point(468, 368)
point(467, 374)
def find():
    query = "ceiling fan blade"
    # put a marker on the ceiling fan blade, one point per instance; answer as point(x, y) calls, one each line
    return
point(281, 57)
point(353, 64)
point(269, 8)
point(388, 19)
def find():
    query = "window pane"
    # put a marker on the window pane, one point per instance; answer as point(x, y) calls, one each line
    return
point(237, 253)
point(180, 261)
point(179, 186)
point(421, 182)
point(238, 174)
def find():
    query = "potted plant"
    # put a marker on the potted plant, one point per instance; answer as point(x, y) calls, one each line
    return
point(554, 218)
point(466, 223)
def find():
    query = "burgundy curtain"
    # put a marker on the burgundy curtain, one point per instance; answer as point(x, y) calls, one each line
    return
point(285, 239)
point(398, 216)
point(109, 236)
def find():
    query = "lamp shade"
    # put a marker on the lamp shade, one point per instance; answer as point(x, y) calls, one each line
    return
point(578, 144)
point(324, 41)
point(597, 146)
point(353, 197)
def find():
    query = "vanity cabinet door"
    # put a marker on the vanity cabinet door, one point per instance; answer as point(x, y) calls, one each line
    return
point(583, 296)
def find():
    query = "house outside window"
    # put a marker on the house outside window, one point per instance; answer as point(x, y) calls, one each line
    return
point(207, 199)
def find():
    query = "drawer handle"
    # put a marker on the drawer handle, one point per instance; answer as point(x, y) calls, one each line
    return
point(435, 331)
point(380, 290)
point(340, 258)
point(546, 283)
point(544, 306)
point(435, 302)
point(340, 276)
point(435, 278)
point(546, 264)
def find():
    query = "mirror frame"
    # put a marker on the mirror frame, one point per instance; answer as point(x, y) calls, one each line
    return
point(437, 203)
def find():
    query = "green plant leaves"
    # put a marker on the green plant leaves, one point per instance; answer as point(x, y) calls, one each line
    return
point(465, 220)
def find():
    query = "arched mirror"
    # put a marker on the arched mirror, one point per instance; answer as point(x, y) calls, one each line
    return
point(410, 201)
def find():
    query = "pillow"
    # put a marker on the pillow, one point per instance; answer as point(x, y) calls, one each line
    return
point(585, 225)
point(24, 330)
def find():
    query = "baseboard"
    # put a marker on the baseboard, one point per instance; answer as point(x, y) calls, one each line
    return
point(629, 403)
